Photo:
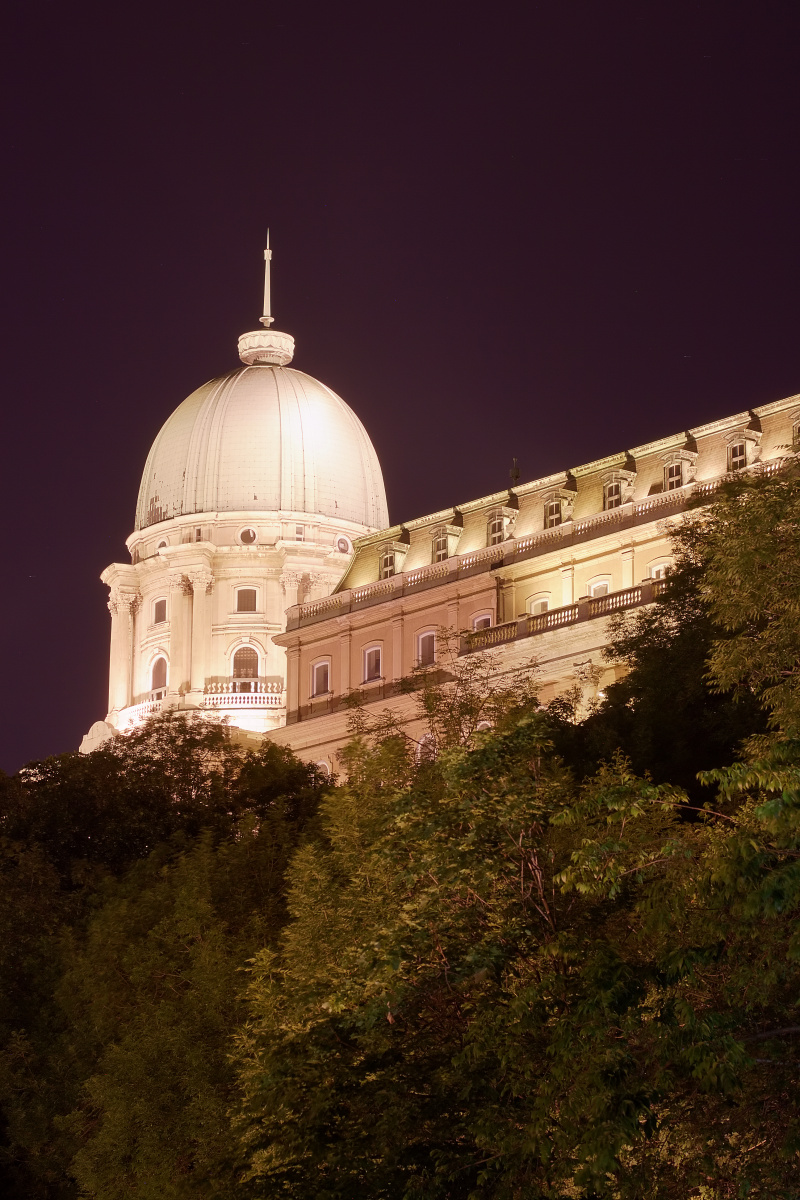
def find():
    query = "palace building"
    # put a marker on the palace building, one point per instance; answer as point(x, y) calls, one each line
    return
point(267, 586)
point(252, 497)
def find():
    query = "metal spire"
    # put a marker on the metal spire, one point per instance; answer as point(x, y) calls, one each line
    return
point(267, 318)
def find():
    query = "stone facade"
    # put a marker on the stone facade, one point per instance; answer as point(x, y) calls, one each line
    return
point(526, 575)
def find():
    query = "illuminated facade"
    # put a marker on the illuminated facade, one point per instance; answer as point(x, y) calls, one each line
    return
point(266, 586)
point(532, 573)
point(251, 499)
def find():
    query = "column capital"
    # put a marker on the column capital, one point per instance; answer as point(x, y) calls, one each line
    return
point(179, 583)
point(201, 579)
point(120, 602)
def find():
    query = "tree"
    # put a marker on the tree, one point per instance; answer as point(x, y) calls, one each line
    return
point(160, 864)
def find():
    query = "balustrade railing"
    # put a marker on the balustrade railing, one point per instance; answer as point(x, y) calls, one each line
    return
point(244, 700)
point(515, 548)
point(557, 618)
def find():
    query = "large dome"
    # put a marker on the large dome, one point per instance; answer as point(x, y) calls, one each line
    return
point(263, 437)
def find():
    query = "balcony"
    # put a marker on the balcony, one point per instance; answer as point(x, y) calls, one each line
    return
point(557, 618)
point(232, 695)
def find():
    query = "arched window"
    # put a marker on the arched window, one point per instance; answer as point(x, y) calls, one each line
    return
point(538, 604)
point(320, 678)
point(599, 587)
point(158, 678)
point(245, 669)
point(426, 749)
point(426, 649)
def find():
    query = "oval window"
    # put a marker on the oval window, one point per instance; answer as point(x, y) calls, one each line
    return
point(343, 545)
point(247, 536)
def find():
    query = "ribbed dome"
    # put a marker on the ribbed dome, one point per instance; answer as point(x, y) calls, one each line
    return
point(263, 438)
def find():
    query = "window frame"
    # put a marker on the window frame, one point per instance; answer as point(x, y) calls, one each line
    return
point(161, 690)
point(248, 679)
point(440, 546)
point(316, 666)
point(375, 648)
point(612, 495)
point(423, 635)
point(670, 484)
point(737, 444)
point(598, 581)
point(555, 518)
point(495, 528)
point(237, 591)
point(538, 598)
point(387, 567)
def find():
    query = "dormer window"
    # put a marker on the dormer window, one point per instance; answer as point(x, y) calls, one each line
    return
point(439, 549)
point(673, 476)
point(495, 529)
point(387, 564)
point(737, 455)
point(552, 514)
point(612, 494)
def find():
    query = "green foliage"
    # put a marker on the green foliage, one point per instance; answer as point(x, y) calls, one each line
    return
point(540, 960)
point(142, 879)
point(664, 713)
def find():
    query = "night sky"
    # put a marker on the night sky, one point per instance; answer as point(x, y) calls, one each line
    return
point(549, 231)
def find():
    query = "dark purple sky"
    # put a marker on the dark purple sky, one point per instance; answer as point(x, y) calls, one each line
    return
point(543, 230)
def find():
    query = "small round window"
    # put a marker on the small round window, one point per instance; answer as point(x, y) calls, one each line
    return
point(343, 545)
point(247, 536)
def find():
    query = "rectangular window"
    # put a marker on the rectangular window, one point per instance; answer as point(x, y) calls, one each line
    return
point(319, 679)
point(737, 456)
point(246, 600)
point(613, 495)
point(673, 476)
point(198, 535)
point(427, 649)
point(552, 514)
point(387, 564)
point(300, 533)
point(495, 531)
point(440, 548)
point(159, 612)
point(372, 664)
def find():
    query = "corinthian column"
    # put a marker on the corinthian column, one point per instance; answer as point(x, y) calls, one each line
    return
point(201, 582)
point(180, 633)
point(122, 606)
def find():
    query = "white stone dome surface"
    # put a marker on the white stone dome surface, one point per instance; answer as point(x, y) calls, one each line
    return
point(263, 438)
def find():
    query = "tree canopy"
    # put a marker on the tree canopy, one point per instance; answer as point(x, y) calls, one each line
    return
point(556, 957)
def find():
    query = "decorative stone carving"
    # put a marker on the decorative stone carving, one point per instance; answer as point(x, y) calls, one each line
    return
point(201, 580)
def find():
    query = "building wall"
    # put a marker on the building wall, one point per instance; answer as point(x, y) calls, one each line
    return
point(615, 548)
